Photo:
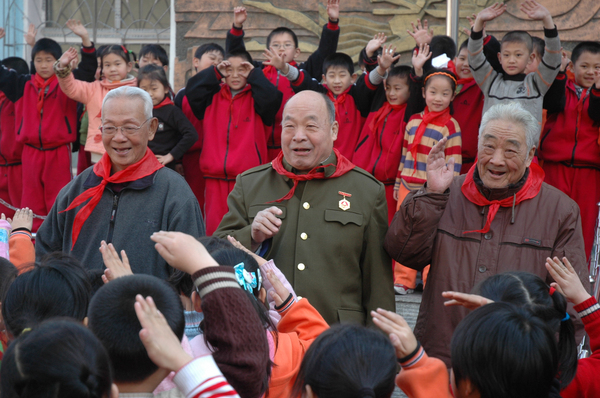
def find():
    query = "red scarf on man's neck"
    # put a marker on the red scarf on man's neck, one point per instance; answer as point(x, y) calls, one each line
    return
point(382, 113)
point(40, 84)
point(529, 190)
point(437, 119)
point(143, 168)
point(343, 166)
point(166, 101)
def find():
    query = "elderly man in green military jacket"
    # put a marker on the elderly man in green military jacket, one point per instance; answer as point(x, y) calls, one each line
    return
point(320, 218)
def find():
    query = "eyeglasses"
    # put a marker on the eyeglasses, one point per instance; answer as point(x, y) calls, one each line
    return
point(125, 130)
point(278, 46)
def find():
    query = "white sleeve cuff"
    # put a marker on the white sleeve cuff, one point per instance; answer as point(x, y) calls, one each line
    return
point(202, 378)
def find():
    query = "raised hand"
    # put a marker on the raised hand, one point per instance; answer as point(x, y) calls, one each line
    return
point(23, 218)
point(564, 61)
point(222, 68)
point(420, 56)
point(488, 14)
point(182, 251)
point(333, 9)
point(80, 30)
point(30, 35)
point(421, 33)
point(387, 58)
point(246, 68)
point(471, 20)
point(67, 57)
point(115, 267)
point(535, 11)
point(401, 336)
point(265, 225)
point(469, 301)
point(261, 261)
point(566, 279)
point(439, 174)
point(276, 60)
point(374, 44)
point(2, 33)
point(239, 16)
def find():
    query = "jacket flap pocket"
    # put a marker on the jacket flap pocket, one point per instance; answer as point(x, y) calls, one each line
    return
point(254, 209)
point(532, 241)
point(351, 316)
point(344, 217)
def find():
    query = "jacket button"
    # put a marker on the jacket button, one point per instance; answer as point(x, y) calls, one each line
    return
point(482, 268)
point(301, 266)
point(306, 205)
point(303, 236)
point(489, 235)
point(299, 297)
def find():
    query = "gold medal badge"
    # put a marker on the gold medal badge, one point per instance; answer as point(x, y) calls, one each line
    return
point(344, 203)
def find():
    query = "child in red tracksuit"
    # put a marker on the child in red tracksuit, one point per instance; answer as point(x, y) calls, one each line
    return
point(234, 116)
point(570, 143)
point(284, 41)
point(46, 122)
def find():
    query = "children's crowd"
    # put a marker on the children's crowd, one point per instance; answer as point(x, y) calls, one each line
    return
point(227, 322)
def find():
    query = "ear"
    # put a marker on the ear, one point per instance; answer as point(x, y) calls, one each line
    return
point(296, 53)
point(453, 95)
point(85, 322)
point(153, 128)
point(531, 58)
point(469, 389)
point(335, 128)
point(423, 91)
point(129, 66)
point(308, 392)
point(530, 156)
point(354, 77)
point(262, 295)
point(166, 68)
point(197, 302)
point(114, 391)
point(323, 78)
point(500, 57)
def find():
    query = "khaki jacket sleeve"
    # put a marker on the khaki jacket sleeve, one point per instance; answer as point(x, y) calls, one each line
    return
point(411, 235)
point(236, 222)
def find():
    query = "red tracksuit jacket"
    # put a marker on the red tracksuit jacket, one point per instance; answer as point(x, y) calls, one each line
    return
point(234, 138)
point(468, 108)
point(10, 148)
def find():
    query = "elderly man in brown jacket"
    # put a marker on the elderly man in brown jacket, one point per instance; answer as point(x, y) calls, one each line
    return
point(498, 217)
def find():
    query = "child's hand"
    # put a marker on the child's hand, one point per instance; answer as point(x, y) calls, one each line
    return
point(182, 251)
point(396, 194)
point(420, 56)
point(333, 10)
point(23, 219)
point(564, 61)
point(387, 59)
point(488, 14)
point(222, 68)
point(80, 30)
point(471, 20)
point(163, 347)
point(261, 261)
point(374, 44)
point(239, 16)
point(30, 35)
point(67, 57)
point(567, 281)
point(279, 292)
point(74, 63)
point(165, 159)
point(401, 336)
point(469, 301)
point(421, 33)
point(115, 268)
point(537, 12)
point(276, 60)
point(2, 33)
point(246, 68)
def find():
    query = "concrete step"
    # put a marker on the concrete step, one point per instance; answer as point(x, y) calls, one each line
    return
point(407, 305)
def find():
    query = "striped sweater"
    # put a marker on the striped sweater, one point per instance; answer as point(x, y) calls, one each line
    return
point(433, 134)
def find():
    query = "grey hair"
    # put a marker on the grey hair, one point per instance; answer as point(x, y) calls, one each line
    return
point(515, 113)
point(330, 108)
point(131, 93)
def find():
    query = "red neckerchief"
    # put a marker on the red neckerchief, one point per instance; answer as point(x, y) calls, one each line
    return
point(529, 191)
point(41, 84)
point(452, 68)
point(166, 101)
point(381, 114)
point(143, 168)
point(337, 101)
point(343, 166)
point(435, 118)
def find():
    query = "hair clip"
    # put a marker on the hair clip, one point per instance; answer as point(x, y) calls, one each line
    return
point(26, 330)
point(440, 74)
point(566, 318)
point(247, 280)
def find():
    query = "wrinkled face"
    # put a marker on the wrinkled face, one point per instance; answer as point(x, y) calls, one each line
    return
point(586, 69)
point(235, 80)
point(396, 90)
point(208, 59)
point(462, 64)
point(126, 149)
point(44, 64)
point(338, 79)
point(514, 57)
point(438, 93)
point(114, 67)
point(283, 44)
point(536, 59)
point(157, 91)
point(307, 136)
point(502, 154)
point(149, 59)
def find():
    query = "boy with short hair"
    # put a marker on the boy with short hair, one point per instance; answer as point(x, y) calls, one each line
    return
point(569, 142)
point(236, 113)
point(515, 55)
point(154, 54)
point(285, 42)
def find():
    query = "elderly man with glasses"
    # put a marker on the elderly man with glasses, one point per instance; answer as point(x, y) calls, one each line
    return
point(124, 198)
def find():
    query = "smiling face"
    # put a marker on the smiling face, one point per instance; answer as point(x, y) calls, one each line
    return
point(235, 80)
point(114, 67)
point(307, 136)
point(208, 59)
point(462, 64)
point(514, 57)
point(586, 69)
point(283, 44)
point(438, 93)
point(125, 150)
point(396, 90)
point(157, 91)
point(338, 79)
point(502, 154)
point(44, 64)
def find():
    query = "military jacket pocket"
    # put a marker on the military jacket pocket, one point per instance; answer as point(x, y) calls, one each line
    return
point(254, 209)
point(351, 316)
point(344, 217)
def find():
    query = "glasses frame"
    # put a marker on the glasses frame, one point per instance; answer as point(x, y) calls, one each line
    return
point(122, 129)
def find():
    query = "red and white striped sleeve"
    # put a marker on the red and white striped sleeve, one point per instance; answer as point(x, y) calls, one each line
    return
point(202, 378)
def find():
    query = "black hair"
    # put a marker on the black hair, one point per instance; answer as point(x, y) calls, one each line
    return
point(504, 351)
point(530, 291)
point(518, 36)
point(154, 72)
point(95, 279)
point(58, 286)
point(401, 71)
point(17, 64)
point(348, 361)
point(118, 50)
point(243, 54)
point(592, 47)
point(8, 273)
point(538, 46)
point(452, 80)
point(58, 358)
point(48, 45)
point(338, 59)
point(463, 45)
point(182, 283)
point(157, 51)
point(282, 30)
point(442, 44)
point(113, 320)
point(208, 48)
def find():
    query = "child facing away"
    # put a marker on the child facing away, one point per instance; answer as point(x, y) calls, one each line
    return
point(569, 146)
point(46, 120)
point(175, 133)
point(115, 68)
point(284, 42)
point(515, 55)
point(236, 113)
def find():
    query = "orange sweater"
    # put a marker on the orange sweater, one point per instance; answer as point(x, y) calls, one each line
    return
point(21, 250)
point(423, 377)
